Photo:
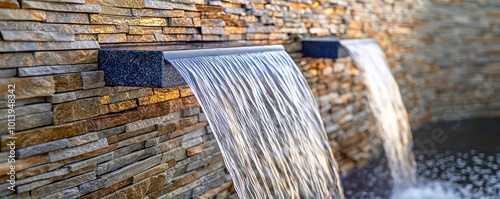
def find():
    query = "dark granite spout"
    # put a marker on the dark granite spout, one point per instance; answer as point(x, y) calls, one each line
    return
point(149, 66)
point(323, 47)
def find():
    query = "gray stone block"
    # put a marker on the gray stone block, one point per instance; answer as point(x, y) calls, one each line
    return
point(71, 152)
point(131, 170)
point(41, 148)
point(65, 184)
point(92, 161)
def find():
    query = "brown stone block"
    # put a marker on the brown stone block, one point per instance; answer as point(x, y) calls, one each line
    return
point(153, 171)
point(9, 4)
point(235, 30)
point(112, 19)
point(45, 134)
point(121, 106)
point(141, 38)
point(107, 190)
point(190, 102)
point(93, 29)
point(183, 181)
point(115, 11)
point(112, 38)
point(93, 79)
point(33, 171)
point(22, 15)
point(141, 30)
point(180, 30)
point(209, 8)
point(154, 110)
point(182, 22)
point(152, 21)
point(109, 121)
point(188, 129)
point(85, 37)
point(65, 57)
point(86, 8)
point(76, 110)
point(22, 164)
point(90, 154)
point(118, 3)
point(28, 87)
point(157, 13)
point(185, 92)
point(65, 17)
point(195, 150)
point(68, 82)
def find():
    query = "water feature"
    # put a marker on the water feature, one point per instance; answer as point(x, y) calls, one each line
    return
point(464, 165)
point(265, 120)
point(387, 106)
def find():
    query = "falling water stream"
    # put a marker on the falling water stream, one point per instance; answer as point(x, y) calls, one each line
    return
point(386, 103)
point(265, 120)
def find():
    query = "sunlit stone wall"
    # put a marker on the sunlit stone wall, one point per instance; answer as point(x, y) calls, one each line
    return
point(77, 137)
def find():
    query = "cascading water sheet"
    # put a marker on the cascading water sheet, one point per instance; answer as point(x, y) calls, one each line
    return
point(266, 122)
point(388, 108)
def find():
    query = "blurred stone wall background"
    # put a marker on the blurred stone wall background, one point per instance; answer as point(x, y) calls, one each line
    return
point(77, 137)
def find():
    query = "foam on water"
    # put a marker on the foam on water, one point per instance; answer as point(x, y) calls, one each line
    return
point(266, 123)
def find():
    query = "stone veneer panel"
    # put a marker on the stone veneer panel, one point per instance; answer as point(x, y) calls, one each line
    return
point(89, 140)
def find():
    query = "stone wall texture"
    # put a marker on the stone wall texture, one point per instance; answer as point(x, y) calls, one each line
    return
point(77, 137)
point(457, 59)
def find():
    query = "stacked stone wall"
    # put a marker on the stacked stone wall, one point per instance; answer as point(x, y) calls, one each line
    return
point(77, 137)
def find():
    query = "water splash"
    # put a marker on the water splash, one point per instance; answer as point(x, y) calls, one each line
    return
point(265, 120)
point(387, 106)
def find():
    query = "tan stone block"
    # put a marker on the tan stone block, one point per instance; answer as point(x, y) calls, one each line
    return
point(44, 46)
point(141, 30)
point(157, 13)
point(86, 8)
point(86, 37)
point(153, 171)
point(9, 35)
point(28, 87)
point(9, 4)
point(112, 19)
point(109, 121)
point(153, 22)
point(115, 11)
point(65, 57)
point(64, 17)
point(68, 82)
point(22, 15)
point(76, 110)
point(141, 38)
point(22, 164)
point(183, 181)
point(121, 106)
point(183, 22)
point(118, 3)
point(112, 38)
point(45, 134)
point(93, 29)
point(209, 8)
point(195, 150)
point(159, 97)
point(14, 60)
point(180, 30)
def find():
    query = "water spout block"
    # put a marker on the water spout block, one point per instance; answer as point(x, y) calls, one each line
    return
point(148, 66)
point(323, 48)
